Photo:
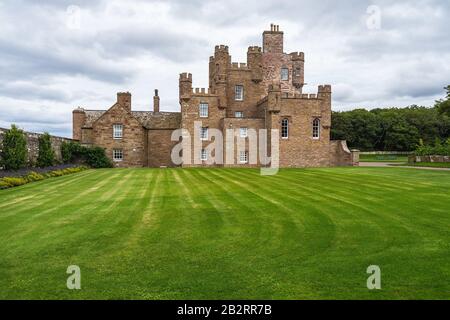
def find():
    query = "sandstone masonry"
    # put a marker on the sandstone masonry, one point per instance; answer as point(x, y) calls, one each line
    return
point(263, 93)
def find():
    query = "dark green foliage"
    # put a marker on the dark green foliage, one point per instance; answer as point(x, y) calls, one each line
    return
point(95, 157)
point(391, 129)
point(443, 105)
point(46, 156)
point(438, 149)
point(13, 149)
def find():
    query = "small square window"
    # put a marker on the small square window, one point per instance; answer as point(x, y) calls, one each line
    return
point(117, 131)
point(118, 155)
point(243, 157)
point(284, 74)
point(238, 114)
point(204, 155)
point(203, 110)
point(204, 133)
point(243, 132)
point(239, 93)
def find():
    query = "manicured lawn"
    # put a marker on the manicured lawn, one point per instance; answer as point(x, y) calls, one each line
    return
point(226, 233)
point(382, 158)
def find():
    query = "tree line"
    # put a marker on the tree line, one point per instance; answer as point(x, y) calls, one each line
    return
point(393, 129)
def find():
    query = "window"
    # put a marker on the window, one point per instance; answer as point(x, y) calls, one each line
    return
point(243, 157)
point(285, 128)
point(239, 93)
point(203, 110)
point(298, 72)
point(243, 132)
point(316, 129)
point(204, 155)
point(117, 131)
point(238, 114)
point(284, 74)
point(204, 133)
point(118, 155)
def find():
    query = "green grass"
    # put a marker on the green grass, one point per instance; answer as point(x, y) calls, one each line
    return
point(382, 158)
point(228, 234)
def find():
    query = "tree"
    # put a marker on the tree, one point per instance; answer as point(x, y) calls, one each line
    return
point(14, 149)
point(443, 105)
point(46, 156)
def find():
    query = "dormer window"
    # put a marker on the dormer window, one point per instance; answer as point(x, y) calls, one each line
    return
point(117, 131)
point(284, 74)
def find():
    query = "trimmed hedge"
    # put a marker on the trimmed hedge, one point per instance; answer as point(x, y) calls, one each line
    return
point(10, 182)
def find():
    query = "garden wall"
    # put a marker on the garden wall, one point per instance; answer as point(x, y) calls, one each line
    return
point(33, 144)
point(414, 159)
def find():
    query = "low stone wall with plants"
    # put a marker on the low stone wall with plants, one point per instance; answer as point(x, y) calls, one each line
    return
point(439, 152)
point(10, 181)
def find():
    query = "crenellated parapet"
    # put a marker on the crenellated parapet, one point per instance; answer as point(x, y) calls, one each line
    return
point(297, 56)
point(185, 86)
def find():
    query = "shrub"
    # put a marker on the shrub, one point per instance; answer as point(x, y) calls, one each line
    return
point(14, 182)
point(14, 149)
point(34, 176)
point(439, 149)
point(9, 182)
point(95, 157)
point(46, 156)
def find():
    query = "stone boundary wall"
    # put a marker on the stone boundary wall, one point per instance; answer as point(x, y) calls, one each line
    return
point(33, 144)
point(386, 152)
point(413, 159)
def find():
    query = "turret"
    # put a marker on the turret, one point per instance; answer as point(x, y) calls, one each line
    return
point(273, 40)
point(185, 86)
point(222, 62)
point(156, 101)
point(274, 98)
point(298, 69)
point(124, 99)
point(78, 119)
point(254, 61)
point(324, 93)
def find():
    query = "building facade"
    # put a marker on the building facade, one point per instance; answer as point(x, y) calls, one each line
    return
point(245, 104)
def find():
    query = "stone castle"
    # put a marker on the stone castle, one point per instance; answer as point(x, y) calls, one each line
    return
point(264, 93)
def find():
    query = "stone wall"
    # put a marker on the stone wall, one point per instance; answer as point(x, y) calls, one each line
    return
point(33, 144)
point(413, 158)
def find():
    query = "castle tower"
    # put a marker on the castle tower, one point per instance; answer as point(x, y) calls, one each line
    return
point(185, 86)
point(254, 61)
point(221, 65)
point(273, 40)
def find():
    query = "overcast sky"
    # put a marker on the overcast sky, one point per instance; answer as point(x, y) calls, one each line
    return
point(57, 55)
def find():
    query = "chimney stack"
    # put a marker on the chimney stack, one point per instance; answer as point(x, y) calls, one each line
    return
point(156, 102)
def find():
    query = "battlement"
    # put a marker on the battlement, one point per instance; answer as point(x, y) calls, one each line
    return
point(221, 48)
point(325, 89)
point(254, 49)
point(203, 91)
point(239, 65)
point(297, 56)
point(186, 76)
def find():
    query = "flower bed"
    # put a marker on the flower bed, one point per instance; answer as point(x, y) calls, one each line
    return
point(12, 179)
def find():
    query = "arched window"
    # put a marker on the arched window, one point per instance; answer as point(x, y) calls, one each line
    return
point(316, 128)
point(285, 128)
